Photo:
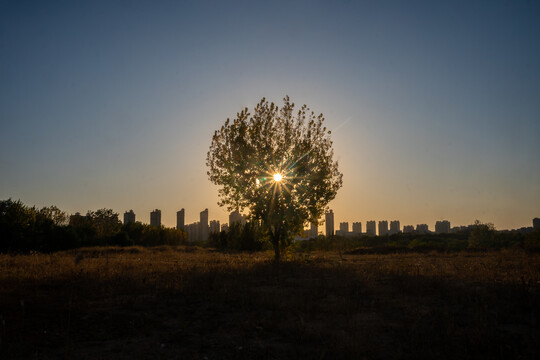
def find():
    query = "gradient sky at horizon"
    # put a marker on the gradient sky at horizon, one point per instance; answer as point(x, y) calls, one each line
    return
point(434, 106)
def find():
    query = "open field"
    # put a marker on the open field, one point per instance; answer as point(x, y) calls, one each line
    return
point(186, 302)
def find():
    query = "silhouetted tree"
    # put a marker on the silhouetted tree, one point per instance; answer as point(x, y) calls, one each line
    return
point(105, 221)
point(16, 222)
point(58, 216)
point(134, 231)
point(277, 163)
point(24, 228)
point(532, 241)
point(482, 235)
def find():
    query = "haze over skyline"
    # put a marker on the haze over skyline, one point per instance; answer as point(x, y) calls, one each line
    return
point(434, 107)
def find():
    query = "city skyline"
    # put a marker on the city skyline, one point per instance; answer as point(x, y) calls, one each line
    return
point(433, 106)
point(379, 226)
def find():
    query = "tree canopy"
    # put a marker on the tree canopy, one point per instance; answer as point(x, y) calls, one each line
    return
point(278, 163)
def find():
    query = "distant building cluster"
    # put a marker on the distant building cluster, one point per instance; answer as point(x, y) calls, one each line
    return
point(380, 228)
point(524, 230)
point(202, 229)
point(199, 230)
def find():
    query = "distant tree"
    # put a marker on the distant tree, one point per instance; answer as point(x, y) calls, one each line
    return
point(482, 235)
point(532, 241)
point(58, 216)
point(277, 163)
point(83, 229)
point(105, 221)
point(134, 231)
point(172, 236)
point(16, 222)
point(24, 228)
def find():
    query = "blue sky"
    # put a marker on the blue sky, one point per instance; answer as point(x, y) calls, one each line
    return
point(434, 106)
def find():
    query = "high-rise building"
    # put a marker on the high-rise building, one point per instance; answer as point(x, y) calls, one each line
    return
point(180, 218)
point(370, 228)
point(236, 217)
point(536, 223)
point(155, 218)
point(313, 230)
point(203, 223)
point(193, 231)
point(329, 218)
point(394, 227)
point(189, 232)
point(383, 227)
point(214, 226)
point(344, 228)
point(422, 228)
point(357, 227)
point(442, 227)
point(129, 217)
point(408, 229)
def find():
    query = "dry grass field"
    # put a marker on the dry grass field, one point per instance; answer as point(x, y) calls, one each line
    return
point(192, 303)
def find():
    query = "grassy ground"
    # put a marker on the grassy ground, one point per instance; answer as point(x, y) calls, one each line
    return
point(185, 302)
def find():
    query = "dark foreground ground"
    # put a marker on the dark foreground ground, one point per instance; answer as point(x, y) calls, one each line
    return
point(189, 303)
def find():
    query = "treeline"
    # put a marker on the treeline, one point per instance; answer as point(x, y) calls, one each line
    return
point(240, 237)
point(25, 229)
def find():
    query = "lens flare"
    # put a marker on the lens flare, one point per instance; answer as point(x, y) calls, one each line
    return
point(277, 177)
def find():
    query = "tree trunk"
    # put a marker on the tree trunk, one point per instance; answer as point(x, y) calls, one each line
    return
point(276, 250)
point(274, 239)
point(275, 243)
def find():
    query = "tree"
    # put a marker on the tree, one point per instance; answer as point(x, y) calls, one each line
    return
point(16, 223)
point(278, 164)
point(482, 235)
point(58, 216)
point(24, 228)
point(105, 221)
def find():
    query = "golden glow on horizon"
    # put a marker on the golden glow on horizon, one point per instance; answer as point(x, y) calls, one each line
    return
point(277, 177)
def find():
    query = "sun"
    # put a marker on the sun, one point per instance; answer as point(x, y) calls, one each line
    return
point(277, 177)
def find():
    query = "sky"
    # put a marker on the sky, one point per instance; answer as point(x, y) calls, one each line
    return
point(434, 106)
